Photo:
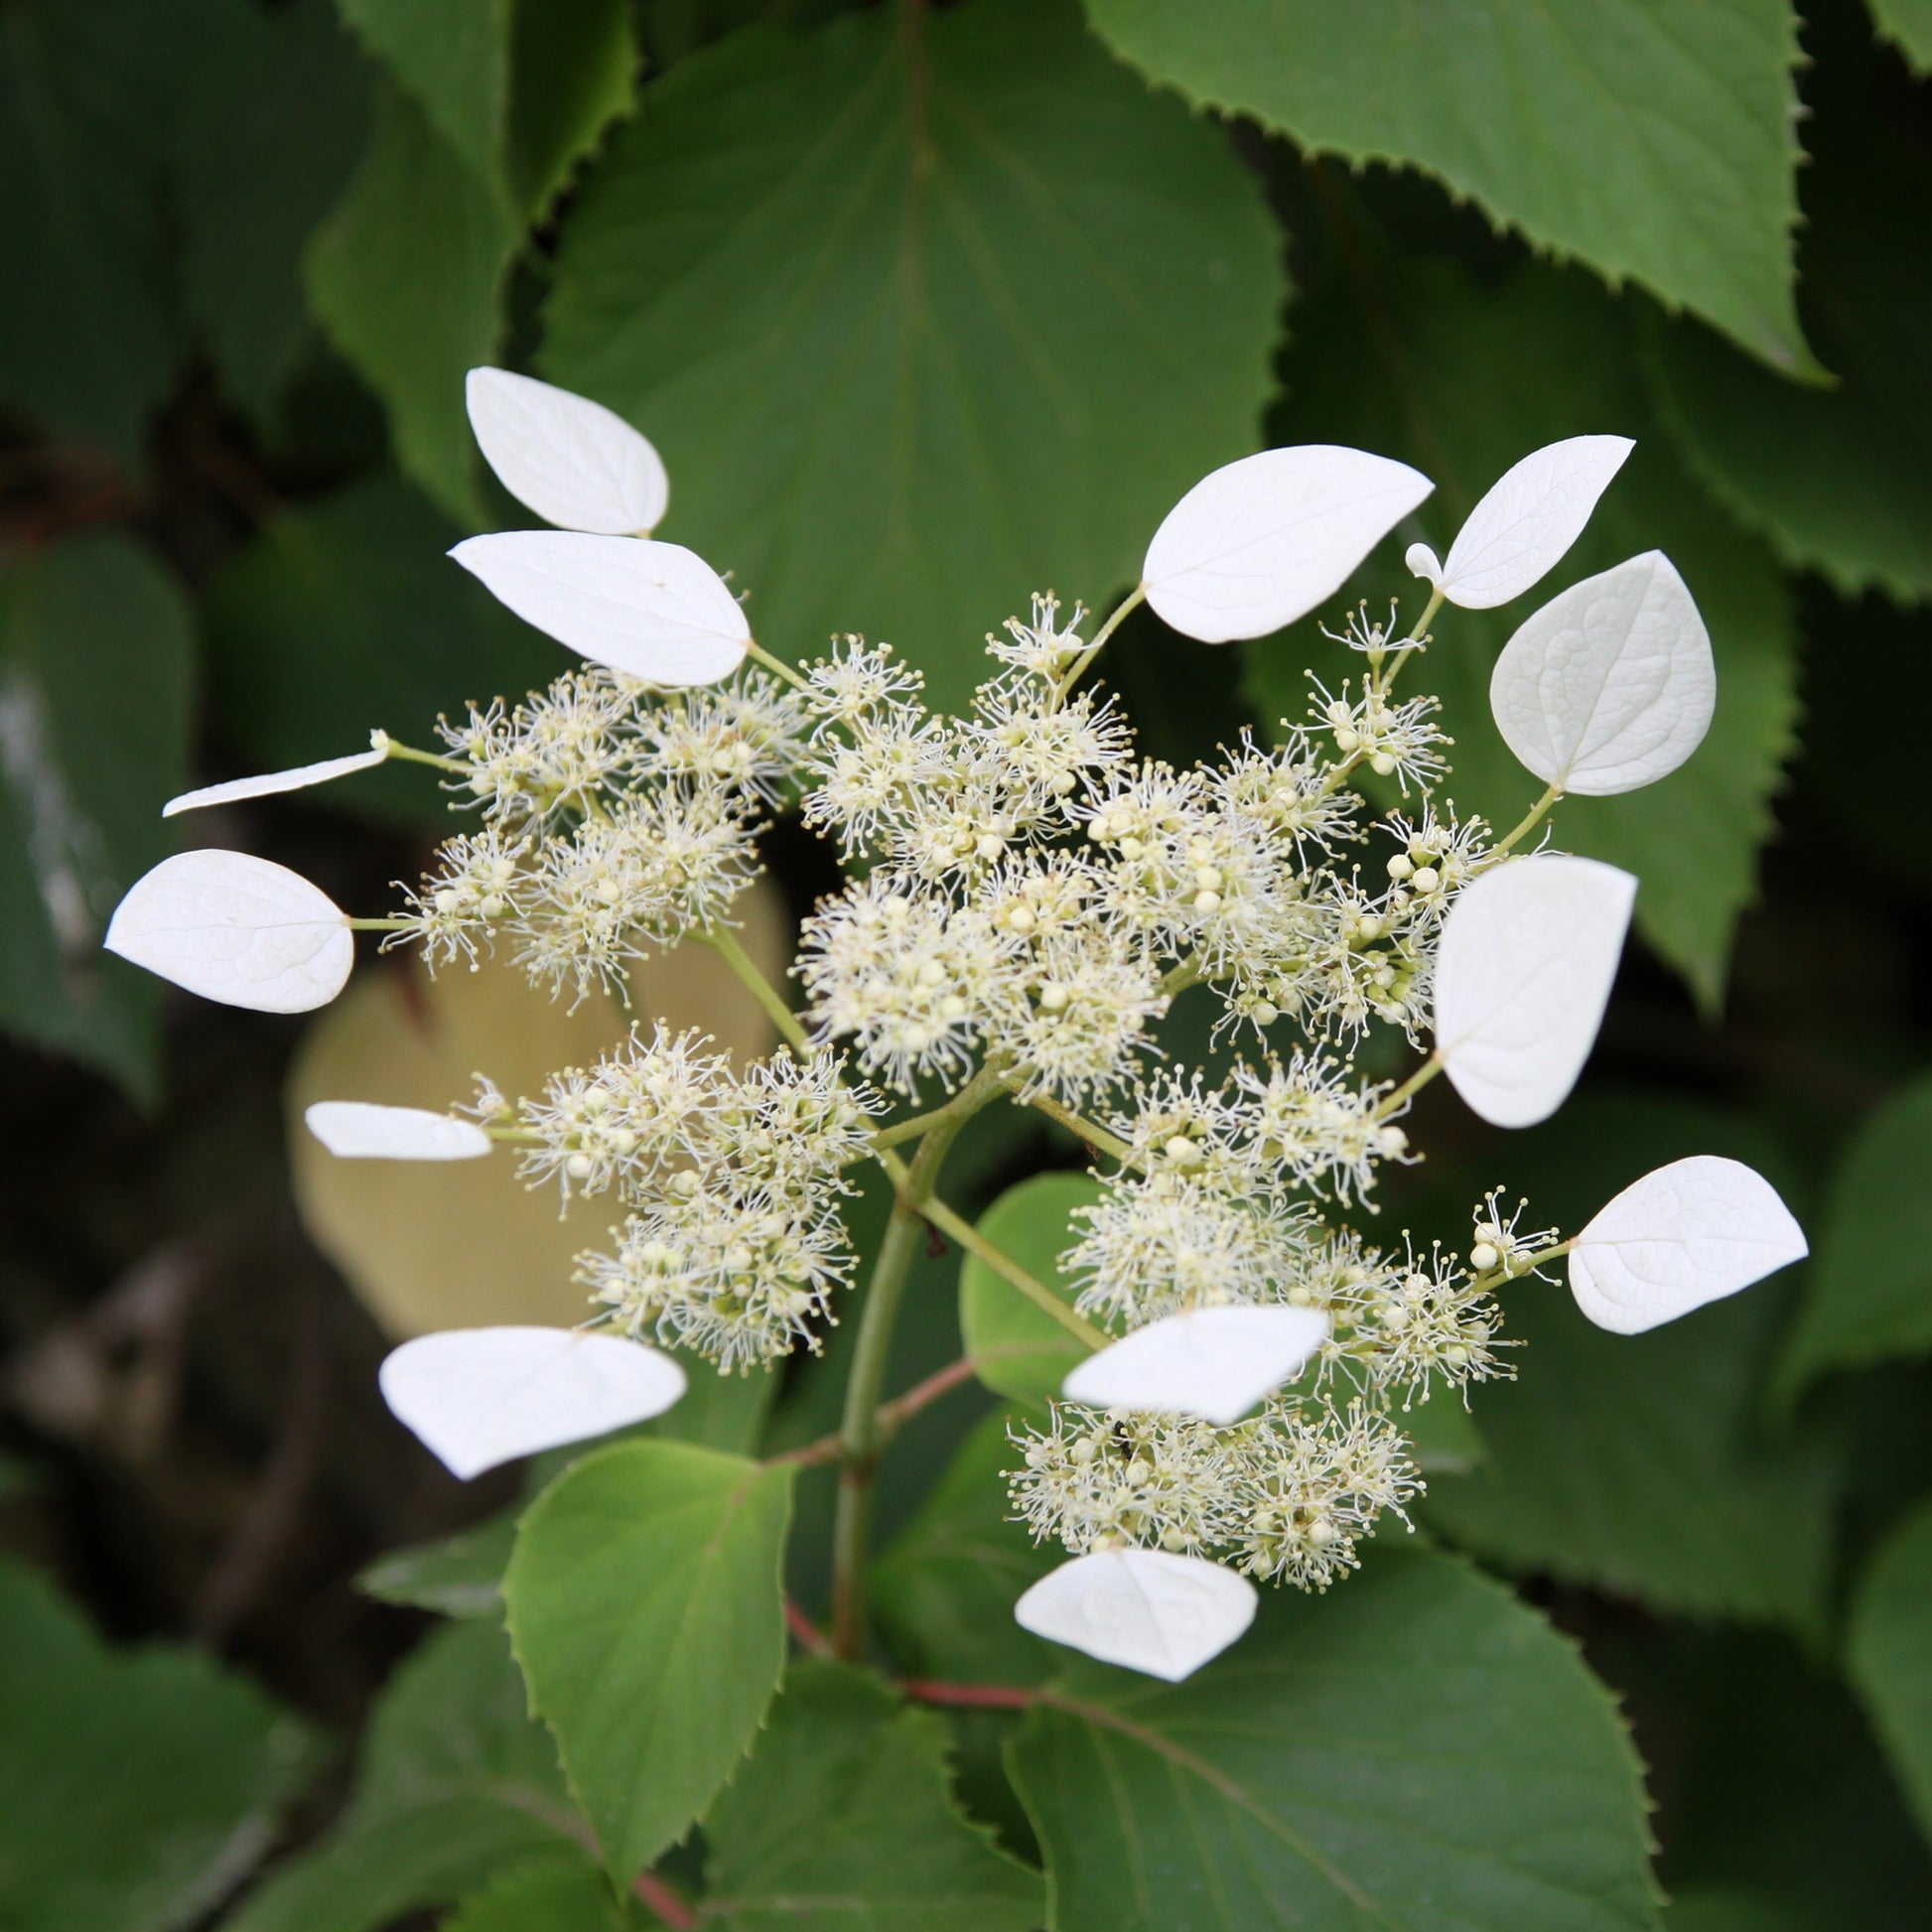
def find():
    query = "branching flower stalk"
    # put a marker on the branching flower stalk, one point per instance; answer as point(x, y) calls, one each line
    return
point(1028, 897)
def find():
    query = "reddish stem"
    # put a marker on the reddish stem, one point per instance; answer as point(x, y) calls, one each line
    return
point(922, 1394)
point(998, 1697)
point(810, 1635)
point(663, 1900)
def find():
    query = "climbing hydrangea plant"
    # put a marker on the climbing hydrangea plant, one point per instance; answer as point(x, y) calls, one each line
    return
point(1027, 896)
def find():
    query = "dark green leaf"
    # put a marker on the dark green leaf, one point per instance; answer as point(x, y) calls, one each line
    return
point(547, 1895)
point(1701, 1910)
point(1869, 1296)
point(924, 315)
point(1889, 1650)
point(1639, 1463)
point(1652, 141)
point(946, 1585)
point(138, 1787)
point(1908, 25)
point(1415, 1750)
point(453, 58)
point(1017, 1349)
point(457, 1783)
point(455, 1576)
point(645, 1606)
point(95, 680)
point(844, 1818)
point(346, 615)
point(275, 120)
point(1466, 380)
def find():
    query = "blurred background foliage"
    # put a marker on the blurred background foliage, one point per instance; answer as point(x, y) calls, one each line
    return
point(929, 308)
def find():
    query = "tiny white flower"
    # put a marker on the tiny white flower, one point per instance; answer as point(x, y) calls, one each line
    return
point(1528, 955)
point(235, 928)
point(478, 1397)
point(1258, 543)
point(1525, 523)
point(1161, 1614)
point(652, 611)
point(296, 778)
point(1215, 1363)
point(361, 1129)
point(1688, 1233)
point(578, 465)
point(1612, 684)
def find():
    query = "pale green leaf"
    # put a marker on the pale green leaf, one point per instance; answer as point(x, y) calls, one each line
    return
point(547, 1895)
point(455, 1576)
point(96, 675)
point(1907, 24)
point(1017, 1349)
point(1649, 139)
point(405, 276)
point(644, 1603)
point(457, 1783)
point(924, 316)
point(1641, 1465)
point(1463, 380)
point(1413, 1751)
point(844, 1818)
point(453, 58)
point(138, 1787)
point(1837, 480)
point(1888, 1653)
point(1869, 1294)
point(945, 1586)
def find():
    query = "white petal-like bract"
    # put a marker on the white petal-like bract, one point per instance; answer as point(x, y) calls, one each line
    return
point(1527, 957)
point(1215, 1363)
point(653, 611)
point(1690, 1233)
point(1259, 543)
point(578, 465)
point(1612, 684)
point(265, 783)
point(478, 1397)
point(361, 1130)
point(1145, 1610)
point(235, 928)
point(1528, 520)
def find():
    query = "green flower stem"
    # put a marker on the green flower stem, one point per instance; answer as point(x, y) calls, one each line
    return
point(1415, 1084)
point(859, 1433)
point(380, 925)
point(725, 942)
point(409, 754)
point(1531, 819)
point(1037, 1292)
point(776, 666)
point(1129, 603)
point(1089, 1131)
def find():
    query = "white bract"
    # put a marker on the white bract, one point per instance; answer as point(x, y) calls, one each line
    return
point(1612, 684)
point(361, 1129)
point(1162, 1614)
point(478, 1397)
point(1690, 1233)
point(1528, 955)
point(1526, 522)
point(296, 778)
point(234, 928)
point(578, 465)
point(652, 611)
point(1215, 1363)
point(1259, 543)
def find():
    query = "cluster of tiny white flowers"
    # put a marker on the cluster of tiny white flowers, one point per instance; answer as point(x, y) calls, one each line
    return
point(1029, 897)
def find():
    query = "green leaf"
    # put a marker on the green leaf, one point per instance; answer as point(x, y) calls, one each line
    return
point(924, 315)
point(1442, 1435)
point(1907, 24)
point(457, 1783)
point(453, 58)
point(1414, 1750)
point(405, 276)
point(645, 1606)
point(455, 1576)
point(1017, 1349)
point(548, 1895)
point(844, 1816)
point(1652, 141)
point(1869, 1294)
point(346, 615)
point(274, 123)
point(1466, 380)
point(1836, 480)
point(1640, 1464)
point(89, 332)
point(95, 680)
point(946, 1585)
point(138, 1787)
point(1888, 1658)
